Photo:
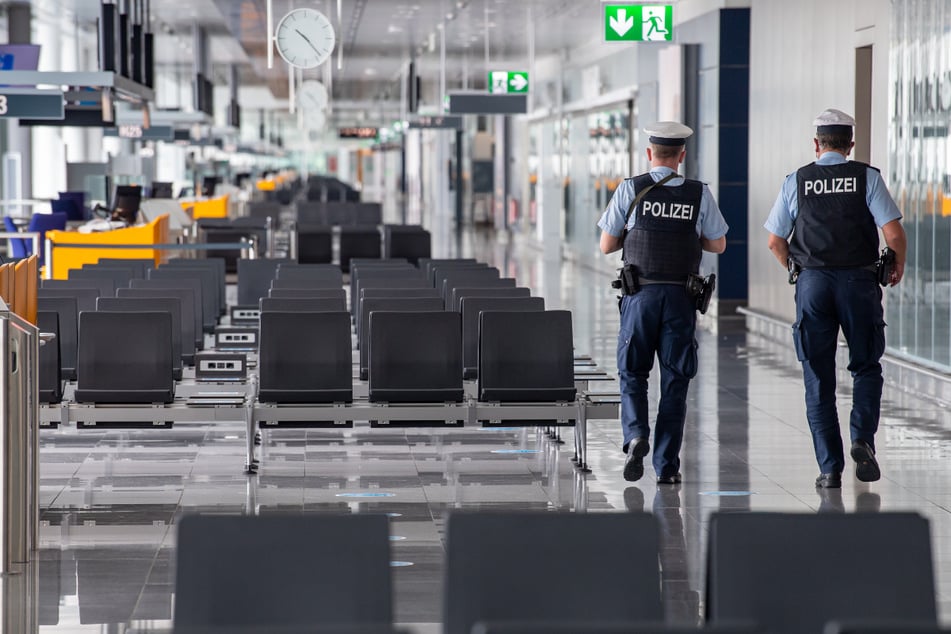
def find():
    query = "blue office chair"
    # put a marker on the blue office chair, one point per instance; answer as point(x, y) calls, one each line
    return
point(19, 246)
point(41, 223)
point(47, 222)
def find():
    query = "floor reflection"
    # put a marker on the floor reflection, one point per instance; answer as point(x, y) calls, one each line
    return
point(110, 500)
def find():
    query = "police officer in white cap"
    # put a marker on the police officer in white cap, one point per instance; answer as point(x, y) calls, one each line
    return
point(662, 221)
point(824, 228)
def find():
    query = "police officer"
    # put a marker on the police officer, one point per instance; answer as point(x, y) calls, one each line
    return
point(662, 236)
point(826, 221)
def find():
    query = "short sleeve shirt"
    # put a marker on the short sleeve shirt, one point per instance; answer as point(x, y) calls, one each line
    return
point(710, 224)
point(782, 217)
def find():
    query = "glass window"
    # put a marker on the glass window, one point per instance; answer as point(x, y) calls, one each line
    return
point(918, 310)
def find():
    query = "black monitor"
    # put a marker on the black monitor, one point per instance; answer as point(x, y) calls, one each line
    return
point(208, 184)
point(161, 189)
point(125, 205)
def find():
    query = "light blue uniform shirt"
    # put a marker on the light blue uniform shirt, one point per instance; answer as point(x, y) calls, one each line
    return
point(782, 217)
point(710, 223)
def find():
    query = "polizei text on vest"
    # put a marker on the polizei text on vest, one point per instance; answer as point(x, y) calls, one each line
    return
point(831, 186)
point(678, 211)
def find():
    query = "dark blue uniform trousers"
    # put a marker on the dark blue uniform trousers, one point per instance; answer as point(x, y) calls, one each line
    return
point(826, 300)
point(659, 319)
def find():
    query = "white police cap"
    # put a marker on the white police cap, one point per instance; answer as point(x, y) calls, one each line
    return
point(833, 117)
point(668, 133)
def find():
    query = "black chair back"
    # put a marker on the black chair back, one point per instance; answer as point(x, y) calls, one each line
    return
point(500, 568)
point(795, 572)
point(320, 570)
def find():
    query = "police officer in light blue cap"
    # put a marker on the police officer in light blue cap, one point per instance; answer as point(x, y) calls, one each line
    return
point(662, 221)
point(824, 228)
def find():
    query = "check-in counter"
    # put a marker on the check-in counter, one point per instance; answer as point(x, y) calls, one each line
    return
point(71, 250)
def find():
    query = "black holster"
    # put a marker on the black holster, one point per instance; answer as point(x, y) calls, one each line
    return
point(627, 280)
point(793, 269)
point(886, 266)
point(701, 289)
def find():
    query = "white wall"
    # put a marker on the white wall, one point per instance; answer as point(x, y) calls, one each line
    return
point(802, 60)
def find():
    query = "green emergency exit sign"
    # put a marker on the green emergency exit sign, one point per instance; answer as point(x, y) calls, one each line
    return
point(505, 81)
point(638, 22)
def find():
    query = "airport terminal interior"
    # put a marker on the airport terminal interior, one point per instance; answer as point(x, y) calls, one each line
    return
point(306, 326)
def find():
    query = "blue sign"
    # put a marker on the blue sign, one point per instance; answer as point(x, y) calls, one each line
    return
point(514, 451)
point(396, 538)
point(733, 494)
point(400, 564)
point(365, 495)
point(394, 515)
point(501, 428)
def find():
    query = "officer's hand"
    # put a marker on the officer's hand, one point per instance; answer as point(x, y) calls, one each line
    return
point(897, 273)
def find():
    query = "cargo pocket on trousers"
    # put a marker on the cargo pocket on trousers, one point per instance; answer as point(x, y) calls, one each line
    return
point(878, 340)
point(799, 341)
point(687, 365)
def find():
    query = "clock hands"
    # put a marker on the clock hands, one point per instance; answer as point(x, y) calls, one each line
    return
point(307, 39)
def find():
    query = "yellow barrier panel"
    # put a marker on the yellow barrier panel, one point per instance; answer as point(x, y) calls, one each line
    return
point(32, 283)
point(266, 185)
point(20, 293)
point(211, 208)
point(67, 258)
point(6, 283)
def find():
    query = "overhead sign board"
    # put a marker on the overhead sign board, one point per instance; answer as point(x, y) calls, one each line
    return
point(438, 122)
point(638, 22)
point(32, 103)
point(507, 81)
point(487, 103)
point(152, 133)
point(357, 133)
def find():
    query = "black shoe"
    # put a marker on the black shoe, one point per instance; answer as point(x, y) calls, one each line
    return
point(866, 466)
point(829, 481)
point(634, 466)
point(673, 478)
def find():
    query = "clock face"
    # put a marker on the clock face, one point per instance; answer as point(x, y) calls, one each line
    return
point(305, 38)
point(312, 95)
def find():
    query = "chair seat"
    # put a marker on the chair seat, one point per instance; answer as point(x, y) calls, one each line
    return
point(412, 395)
point(528, 394)
point(124, 397)
point(51, 396)
point(287, 396)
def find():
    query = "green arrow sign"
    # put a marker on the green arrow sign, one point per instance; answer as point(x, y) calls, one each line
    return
point(504, 81)
point(638, 22)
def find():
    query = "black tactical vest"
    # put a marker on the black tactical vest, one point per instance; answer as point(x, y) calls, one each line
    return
point(663, 243)
point(834, 228)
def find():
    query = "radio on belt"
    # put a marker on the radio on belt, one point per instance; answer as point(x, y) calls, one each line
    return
point(221, 366)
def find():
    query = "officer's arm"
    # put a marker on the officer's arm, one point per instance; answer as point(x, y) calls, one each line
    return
point(609, 243)
point(713, 246)
point(895, 238)
point(779, 247)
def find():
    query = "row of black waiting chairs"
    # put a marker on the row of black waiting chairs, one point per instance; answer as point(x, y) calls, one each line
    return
point(521, 573)
point(315, 243)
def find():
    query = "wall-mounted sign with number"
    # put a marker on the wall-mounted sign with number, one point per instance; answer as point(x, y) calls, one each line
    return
point(152, 133)
point(357, 133)
point(31, 104)
point(437, 122)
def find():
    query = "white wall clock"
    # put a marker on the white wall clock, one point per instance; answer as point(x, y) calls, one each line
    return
point(312, 95)
point(305, 38)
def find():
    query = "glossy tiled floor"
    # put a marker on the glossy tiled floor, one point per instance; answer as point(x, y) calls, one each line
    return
point(110, 500)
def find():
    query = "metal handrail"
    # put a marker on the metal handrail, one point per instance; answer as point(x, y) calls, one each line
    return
point(248, 248)
point(34, 237)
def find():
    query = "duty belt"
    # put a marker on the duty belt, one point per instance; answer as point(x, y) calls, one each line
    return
point(644, 281)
